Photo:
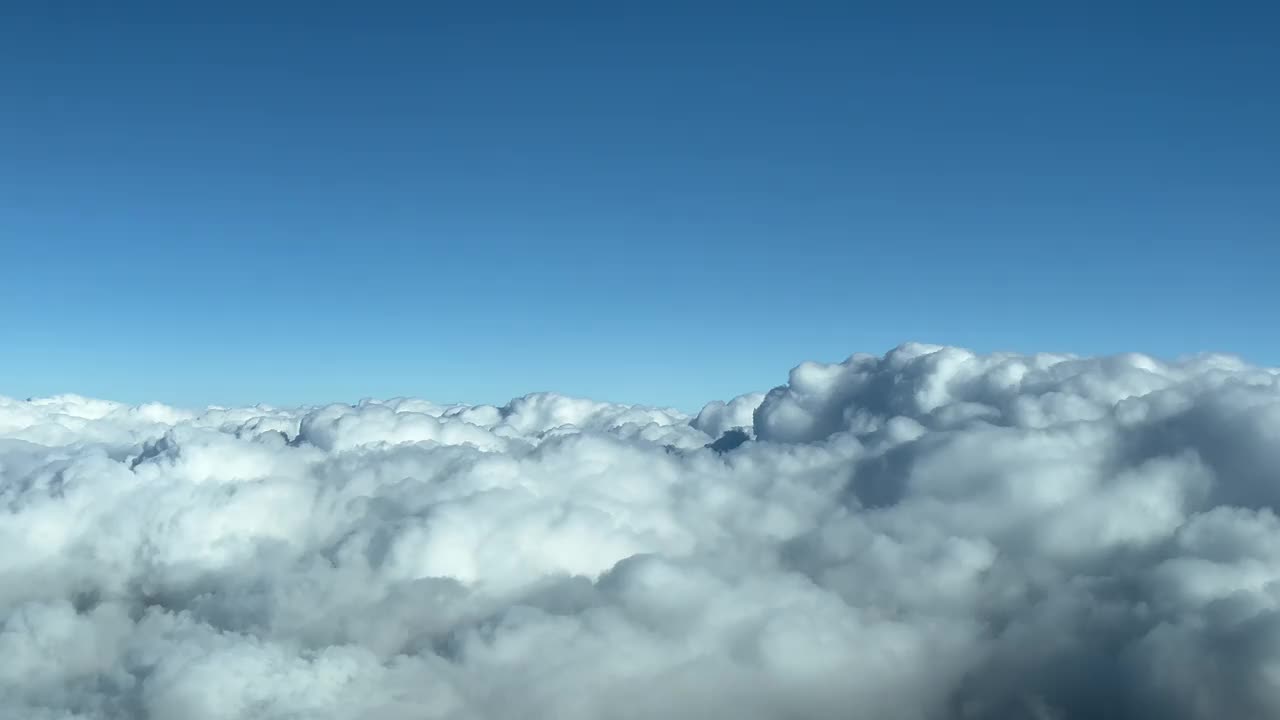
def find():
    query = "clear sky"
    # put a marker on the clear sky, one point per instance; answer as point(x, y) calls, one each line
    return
point(647, 202)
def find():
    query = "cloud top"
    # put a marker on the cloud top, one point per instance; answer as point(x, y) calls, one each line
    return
point(928, 534)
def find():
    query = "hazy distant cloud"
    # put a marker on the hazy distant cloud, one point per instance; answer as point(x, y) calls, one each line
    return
point(931, 534)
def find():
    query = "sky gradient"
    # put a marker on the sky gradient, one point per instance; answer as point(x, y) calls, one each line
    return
point(668, 204)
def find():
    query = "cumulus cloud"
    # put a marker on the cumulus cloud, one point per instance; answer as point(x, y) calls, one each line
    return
point(930, 534)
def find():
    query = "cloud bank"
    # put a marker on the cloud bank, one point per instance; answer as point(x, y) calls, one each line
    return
point(931, 534)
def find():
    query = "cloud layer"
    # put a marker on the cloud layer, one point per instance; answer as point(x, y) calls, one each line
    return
point(931, 534)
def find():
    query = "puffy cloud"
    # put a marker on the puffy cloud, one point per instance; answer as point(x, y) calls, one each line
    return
point(931, 534)
point(717, 418)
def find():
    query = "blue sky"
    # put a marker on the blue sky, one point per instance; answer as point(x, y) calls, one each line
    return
point(667, 203)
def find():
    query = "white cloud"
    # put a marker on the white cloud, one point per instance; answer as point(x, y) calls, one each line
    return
point(931, 534)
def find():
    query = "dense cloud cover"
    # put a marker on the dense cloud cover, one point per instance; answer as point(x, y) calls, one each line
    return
point(931, 534)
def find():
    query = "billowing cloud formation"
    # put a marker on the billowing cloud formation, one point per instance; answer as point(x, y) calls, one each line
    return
point(931, 534)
